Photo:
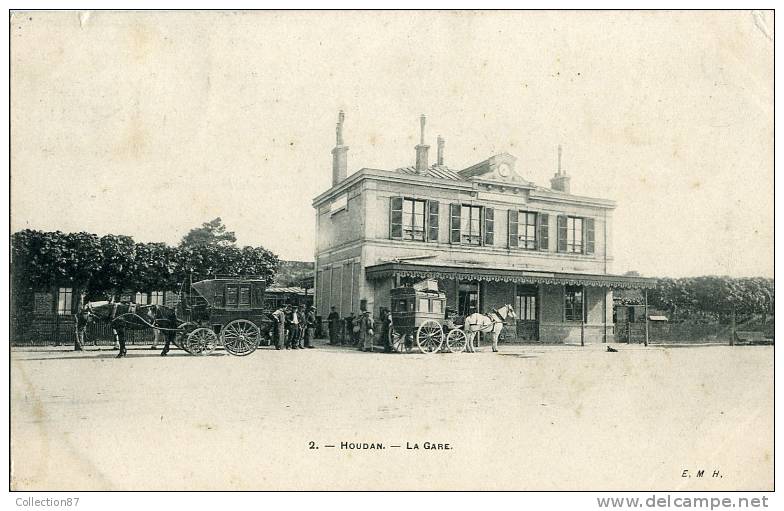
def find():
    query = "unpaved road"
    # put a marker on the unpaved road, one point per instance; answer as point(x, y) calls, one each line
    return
point(530, 418)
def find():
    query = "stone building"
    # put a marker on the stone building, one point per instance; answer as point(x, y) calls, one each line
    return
point(485, 232)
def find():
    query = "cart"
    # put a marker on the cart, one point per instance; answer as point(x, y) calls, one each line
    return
point(222, 311)
point(419, 316)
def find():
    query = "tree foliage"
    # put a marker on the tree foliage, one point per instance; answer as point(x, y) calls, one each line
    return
point(111, 264)
point(212, 233)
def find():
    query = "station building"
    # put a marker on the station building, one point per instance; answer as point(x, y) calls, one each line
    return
point(487, 234)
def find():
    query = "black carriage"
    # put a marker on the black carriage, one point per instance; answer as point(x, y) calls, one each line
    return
point(419, 316)
point(222, 311)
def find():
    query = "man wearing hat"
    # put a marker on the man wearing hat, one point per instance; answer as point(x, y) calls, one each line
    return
point(310, 326)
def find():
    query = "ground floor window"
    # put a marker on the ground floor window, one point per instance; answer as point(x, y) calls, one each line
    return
point(65, 301)
point(157, 298)
point(140, 299)
point(574, 297)
point(525, 303)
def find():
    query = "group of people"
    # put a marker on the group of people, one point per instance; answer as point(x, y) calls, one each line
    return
point(295, 327)
point(357, 330)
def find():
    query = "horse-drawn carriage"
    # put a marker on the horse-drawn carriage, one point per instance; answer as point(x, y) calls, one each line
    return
point(223, 311)
point(419, 315)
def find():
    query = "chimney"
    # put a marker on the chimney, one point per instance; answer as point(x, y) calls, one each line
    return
point(440, 150)
point(560, 181)
point(339, 156)
point(421, 149)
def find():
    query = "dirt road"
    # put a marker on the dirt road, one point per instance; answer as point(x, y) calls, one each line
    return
point(529, 418)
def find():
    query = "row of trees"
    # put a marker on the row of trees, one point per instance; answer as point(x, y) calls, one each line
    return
point(713, 297)
point(111, 264)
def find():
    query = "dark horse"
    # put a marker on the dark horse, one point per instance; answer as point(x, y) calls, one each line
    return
point(129, 316)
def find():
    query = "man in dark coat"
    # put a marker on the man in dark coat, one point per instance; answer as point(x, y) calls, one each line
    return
point(310, 327)
point(301, 326)
point(333, 321)
point(292, 327)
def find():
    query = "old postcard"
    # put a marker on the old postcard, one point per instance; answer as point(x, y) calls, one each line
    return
point(397, 250)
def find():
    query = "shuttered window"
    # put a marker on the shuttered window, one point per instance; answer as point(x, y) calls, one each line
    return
point(561, 233)
point(574, 235)
point(470, 225)
point(454, 223)
point(396, 218)
point(544, 231)
point(413, 220)
point(512, 237)
point(432, 220)
point(527, 230)
point(489, 228)
point(590, 242)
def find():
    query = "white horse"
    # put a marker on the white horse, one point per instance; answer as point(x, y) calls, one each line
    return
point(493, 323)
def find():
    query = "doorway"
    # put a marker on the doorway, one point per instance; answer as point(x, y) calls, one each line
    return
point(468, 298)
point(527, 310)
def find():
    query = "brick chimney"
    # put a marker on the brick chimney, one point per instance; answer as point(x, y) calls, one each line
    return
point(421, 149)
point(440, 150)
point(339, 153)
point(560, 181)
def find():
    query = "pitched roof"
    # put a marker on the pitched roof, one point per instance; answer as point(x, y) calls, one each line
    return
point(436, 171)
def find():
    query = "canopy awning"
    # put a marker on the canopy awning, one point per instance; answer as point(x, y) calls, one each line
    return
point(484, 273)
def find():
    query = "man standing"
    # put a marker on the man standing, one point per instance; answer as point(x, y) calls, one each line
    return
point(333, 320)
point(310, 323)
point(280, 327)
point(301, 327)
point(292, 318)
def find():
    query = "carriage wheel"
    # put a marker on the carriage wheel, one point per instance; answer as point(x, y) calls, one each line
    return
point(430, 336)
point(181, 337)
point(456, 341)
point(397, 340)
point(201, 341)
point(240, 337)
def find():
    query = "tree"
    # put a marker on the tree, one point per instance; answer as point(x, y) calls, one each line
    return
point(117, 265)
point(209, 234)
point(154, 268)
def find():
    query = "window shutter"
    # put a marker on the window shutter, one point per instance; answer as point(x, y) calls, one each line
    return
point(489, 217)
point(561, 233)
point(432, 220)
point(396, 218)
point(454, 223)
point(513, 214)
point(590, 236)
point(544, 231)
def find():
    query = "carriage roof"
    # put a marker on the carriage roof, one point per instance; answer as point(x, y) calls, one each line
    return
point(210, 289)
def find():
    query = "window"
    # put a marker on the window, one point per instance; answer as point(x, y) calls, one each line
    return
point(470, 225)
point(574, 235)
point(399, 306)
point(435, 306)
point(468, 298)
point(423, 305)
point(231, 296)
point(573, 303)
point(157, 298)
point(413, 219)
point(140, 299)
point(245, 296)
point(65, 301)
point(526, 233)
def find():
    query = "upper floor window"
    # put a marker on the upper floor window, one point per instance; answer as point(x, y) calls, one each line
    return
point(576, 235)
point(471, 225)
point(65, 301)
point(413, 219)
point(528, 230)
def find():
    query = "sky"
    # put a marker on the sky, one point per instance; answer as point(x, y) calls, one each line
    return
point(151, 123)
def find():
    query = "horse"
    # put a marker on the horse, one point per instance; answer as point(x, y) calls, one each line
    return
point(129, 316)
point(492, 322)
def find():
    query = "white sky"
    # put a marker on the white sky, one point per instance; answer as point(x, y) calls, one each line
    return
point(149, 124)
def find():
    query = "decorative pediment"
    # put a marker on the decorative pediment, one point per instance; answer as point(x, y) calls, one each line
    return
point(499, 168)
